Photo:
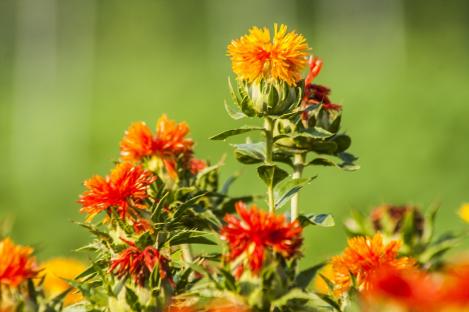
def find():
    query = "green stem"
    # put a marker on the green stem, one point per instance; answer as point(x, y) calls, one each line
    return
point(269, 142)
point(298, 163)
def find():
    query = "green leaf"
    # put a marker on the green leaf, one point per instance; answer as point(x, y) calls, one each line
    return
point(285, 190)
point(304, 278)
point(183, 207)
point(322, 219)
point(191, 237)
point(132, 299)
point(316, 133)
point(271, 174)
point(233, 132)
point(343, 142)
point(321, 161)
point(250, 153)
point(233, 113)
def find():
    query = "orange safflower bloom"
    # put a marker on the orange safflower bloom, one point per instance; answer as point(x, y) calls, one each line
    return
point(139, 263)
point(362, 257)
point(169, 142)
point(257, 231)
point(17, 263)
point(55, 271)
point(254, 56)
point(226, 305)
point(124, 189)
point(456, 287)
point(409, 289)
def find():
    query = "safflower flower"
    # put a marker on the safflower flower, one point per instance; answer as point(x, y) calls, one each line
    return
point(55, 271)
point(124, 189)
point(17, 263)
point(167, 144)
point(254, 56)
point(257, 231)
point(362, 257)
point(139, 263)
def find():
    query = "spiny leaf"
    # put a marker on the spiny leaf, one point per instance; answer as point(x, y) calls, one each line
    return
point(322, 219)
point(233, 132)
point(250, 153)
point(271, 174)
point(285, 190)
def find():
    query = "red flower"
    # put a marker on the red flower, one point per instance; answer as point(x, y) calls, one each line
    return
point(315, 65)
point(126, 187)
point(410, 289)
point(17, 263)
point(138, 263)
point(169, 142)
point(197, 165)
point(258, 231)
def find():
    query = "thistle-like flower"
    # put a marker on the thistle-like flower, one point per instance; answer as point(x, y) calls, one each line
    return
point(124, 189)
point(362, 257)
point(256, 232)
point(254, 56)
point(167, 144)
point(17, 263)
point(138, 263)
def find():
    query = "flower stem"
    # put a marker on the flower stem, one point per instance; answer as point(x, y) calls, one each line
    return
point(268, 126)
point(298, 163)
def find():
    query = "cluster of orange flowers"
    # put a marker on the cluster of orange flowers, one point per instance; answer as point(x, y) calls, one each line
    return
point(17, 264)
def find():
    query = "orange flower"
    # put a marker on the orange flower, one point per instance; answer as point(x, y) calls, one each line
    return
point(168, 142)
point(55, 271)
point(227, 305)
point(17, 263)
point(124, 189)
point(362, 257)
point(138, 263)
point(408, 289)
point(255, 57)
point(258, 231)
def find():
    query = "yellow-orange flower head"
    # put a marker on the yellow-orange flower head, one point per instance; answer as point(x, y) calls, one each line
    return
point(58, 269)
point(362, 257)
point(17, 263)
point(254, 56)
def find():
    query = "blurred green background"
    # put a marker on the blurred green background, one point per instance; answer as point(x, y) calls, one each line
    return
point(74, 74)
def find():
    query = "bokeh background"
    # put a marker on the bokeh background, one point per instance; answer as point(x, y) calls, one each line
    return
point(74, 74)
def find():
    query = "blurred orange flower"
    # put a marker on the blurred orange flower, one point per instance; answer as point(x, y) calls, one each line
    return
point(256, 231)
point(17, 263)
point(362, 257)
point(138, 263)
point(55, 270)
point(254, 56)
point(169, 142)
point(125, 189)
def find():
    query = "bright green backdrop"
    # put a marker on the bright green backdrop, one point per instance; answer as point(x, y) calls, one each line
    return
point(74, 74)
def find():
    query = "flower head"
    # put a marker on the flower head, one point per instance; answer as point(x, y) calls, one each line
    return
point(58, 269)
point(126, 187)
point(197, 165)
point(257, 231)
point(169, 140)
point(138, 263)
point(17, 263)
point(362, 257)
point(254, 56)
point(408, 289)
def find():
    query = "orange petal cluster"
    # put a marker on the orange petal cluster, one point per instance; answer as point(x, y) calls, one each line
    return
point(138, 263)
point(124, 189)
point(17, 263)
point(254, 56)
point(257, 231)
point(362, 257)
point(169, 141)
point(418, 291)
